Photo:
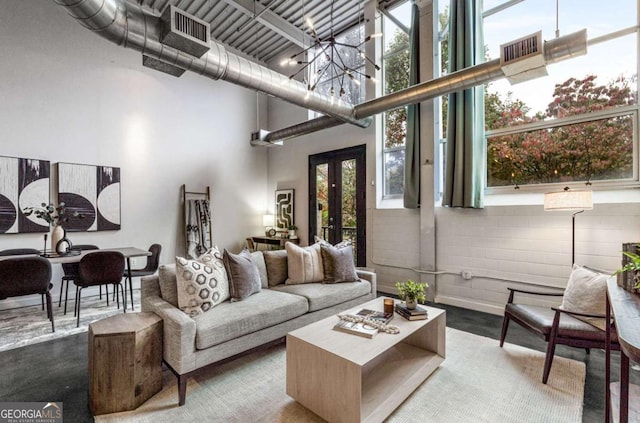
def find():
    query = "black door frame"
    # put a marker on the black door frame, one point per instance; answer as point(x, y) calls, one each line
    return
point(334, 159)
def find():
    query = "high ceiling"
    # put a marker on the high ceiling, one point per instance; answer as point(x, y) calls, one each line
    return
point(263, 29)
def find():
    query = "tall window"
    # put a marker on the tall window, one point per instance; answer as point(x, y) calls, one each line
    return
point(396, 77)
point(578, 123)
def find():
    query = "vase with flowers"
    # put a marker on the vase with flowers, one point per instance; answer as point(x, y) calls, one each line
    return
point(54, 216)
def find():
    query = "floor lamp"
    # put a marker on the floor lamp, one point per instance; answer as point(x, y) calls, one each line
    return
point(569, 200)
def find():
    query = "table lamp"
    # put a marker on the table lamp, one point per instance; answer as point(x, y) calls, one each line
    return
point(578, 200)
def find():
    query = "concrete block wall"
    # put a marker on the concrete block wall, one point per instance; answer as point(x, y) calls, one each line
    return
point(500, 246)
point(525, 247)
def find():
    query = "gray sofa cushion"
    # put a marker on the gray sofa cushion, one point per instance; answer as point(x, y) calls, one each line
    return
point(326, 295)
point(232, 320)
point(258, 258)
point(243, 274)
point(168, 283)
point(277, 270)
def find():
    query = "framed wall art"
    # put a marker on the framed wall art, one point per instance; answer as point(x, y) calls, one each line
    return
point(23, 183)
point(284, 208)
point(92, 191)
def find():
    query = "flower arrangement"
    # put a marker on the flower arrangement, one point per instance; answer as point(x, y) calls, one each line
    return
point(293, 228)
point(50, 213)
point(411, 290)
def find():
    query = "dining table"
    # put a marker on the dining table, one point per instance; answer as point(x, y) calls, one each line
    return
point(75, 257)
point(127, 252)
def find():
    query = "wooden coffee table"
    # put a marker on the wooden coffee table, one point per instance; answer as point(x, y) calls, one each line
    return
point(347, 378)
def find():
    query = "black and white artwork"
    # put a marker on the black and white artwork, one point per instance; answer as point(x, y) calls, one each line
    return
point(23, 183)
point(93, 192)
point(284, 208)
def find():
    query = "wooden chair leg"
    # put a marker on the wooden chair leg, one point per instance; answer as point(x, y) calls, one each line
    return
point(505, 326)
point(182, 389)
point(551, 348)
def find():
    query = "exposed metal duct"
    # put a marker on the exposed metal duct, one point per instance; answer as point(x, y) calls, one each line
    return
point(126, 24)
point(555, 50)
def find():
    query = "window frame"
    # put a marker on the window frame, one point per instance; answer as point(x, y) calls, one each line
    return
point(634, 181)
point(384, 57)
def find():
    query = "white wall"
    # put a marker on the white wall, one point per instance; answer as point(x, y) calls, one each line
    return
point(71, 96)
point(513, 244)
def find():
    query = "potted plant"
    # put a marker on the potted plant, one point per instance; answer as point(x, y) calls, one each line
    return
point(54, 216)
point(632, 266)
point(412, 292)
point(292, 231)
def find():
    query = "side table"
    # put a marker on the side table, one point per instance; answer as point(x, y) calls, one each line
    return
point(125, 361)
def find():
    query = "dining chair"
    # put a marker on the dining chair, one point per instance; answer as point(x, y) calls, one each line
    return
point(100, 268)
point(71, 271)
point(22, 252)
point(27, 276)
point(153, 261)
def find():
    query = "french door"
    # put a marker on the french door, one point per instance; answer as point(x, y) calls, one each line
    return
point(337, 200)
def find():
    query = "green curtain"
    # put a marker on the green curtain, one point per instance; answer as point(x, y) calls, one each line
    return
point(412, 147)
point(465, 154)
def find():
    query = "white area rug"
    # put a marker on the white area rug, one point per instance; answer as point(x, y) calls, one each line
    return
point(29, 325)
point(478, 382)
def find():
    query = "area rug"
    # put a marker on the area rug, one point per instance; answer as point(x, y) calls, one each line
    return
point(478, 382)
point(29, 325)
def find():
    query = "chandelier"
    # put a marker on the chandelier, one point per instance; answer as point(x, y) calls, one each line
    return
point(334, 59)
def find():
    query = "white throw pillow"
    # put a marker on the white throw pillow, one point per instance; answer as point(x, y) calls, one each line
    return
point(586, 293)
point(304, 264)
point(202, 283)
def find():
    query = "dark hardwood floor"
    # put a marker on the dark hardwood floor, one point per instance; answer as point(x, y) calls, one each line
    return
point(57, 370)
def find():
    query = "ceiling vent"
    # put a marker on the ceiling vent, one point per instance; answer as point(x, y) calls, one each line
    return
point(523, 59)
point(259, 139)
point(161, 66)
point(184, 32)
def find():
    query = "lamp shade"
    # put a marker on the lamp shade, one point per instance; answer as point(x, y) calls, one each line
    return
point(568, 200)
point(268, 220)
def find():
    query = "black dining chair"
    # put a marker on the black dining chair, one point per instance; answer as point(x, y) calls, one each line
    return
point(27, 276)
point(71, 271)
point(100, 268)
point(22, 252)
point(153, 261)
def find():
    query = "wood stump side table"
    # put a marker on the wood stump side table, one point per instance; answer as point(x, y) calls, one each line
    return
point(125, 361)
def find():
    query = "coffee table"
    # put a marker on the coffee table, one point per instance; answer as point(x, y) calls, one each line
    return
point(347, 378)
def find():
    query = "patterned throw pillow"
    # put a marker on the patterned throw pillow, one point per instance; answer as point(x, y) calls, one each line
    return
point(244, 277)
point(304, 264)
point(338, 264)
point(202, 283)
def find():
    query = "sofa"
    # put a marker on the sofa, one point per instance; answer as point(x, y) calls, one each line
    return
point(231, 328)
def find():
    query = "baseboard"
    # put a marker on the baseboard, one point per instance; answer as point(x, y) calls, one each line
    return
point(471, 305)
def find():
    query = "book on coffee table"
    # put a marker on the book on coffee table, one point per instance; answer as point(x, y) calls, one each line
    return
point(360, 329)
point(418, 313)
point(378, 316)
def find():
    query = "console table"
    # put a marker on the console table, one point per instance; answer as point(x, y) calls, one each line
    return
point(273, 240)
point(622, 398)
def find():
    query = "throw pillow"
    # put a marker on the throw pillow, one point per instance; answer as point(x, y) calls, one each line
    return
point(586, 293)
point(244, 278)
point(258, 259)
point(202, 283)
point(341, 244)
point(338, 264)
point(277, 268)
point(304, 264)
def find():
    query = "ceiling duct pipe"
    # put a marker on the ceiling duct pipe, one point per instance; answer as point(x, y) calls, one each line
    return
point(126, 24)
point(555, 50)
